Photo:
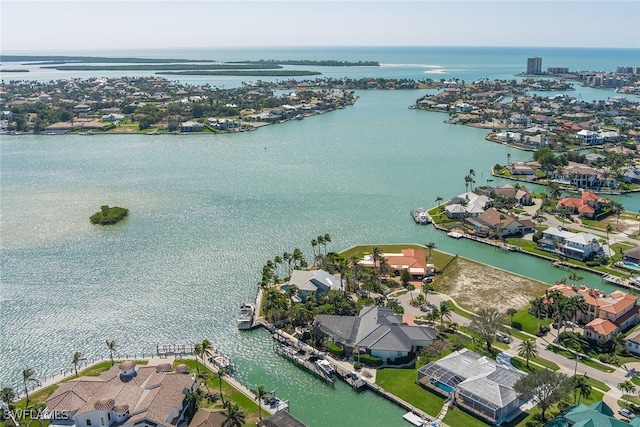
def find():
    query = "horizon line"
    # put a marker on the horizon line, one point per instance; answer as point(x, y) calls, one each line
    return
point(191, 48)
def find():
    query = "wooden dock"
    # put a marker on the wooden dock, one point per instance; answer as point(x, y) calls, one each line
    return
point(177, 350)
point(302, 359)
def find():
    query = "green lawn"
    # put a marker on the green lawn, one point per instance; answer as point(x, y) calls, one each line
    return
point(571, 355)
point(598, 384)
point(402, 383)
point(525, 321)
point(521, 363)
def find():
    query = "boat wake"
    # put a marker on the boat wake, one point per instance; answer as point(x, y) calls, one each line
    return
point(411, 65)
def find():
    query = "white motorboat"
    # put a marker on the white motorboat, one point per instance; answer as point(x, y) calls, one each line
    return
point(245, 316)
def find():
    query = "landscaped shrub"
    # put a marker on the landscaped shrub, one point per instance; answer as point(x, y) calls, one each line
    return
point(335, 349)
point(367, 359)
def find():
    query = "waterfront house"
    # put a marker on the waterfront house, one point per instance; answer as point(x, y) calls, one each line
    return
point(280, 419)
point(58, 128)
point(579, 246)
point(126, 395)
point(494, 221)
point(632, 255)
point(375, 330)
point(466, 205)
point(606, 314)
point(81, 109)
point(312, 282)
point(191, 126)
point(207, 418)
point(478, 383)
point(412, 260)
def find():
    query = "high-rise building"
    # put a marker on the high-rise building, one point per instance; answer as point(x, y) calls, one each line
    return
point(534, 65)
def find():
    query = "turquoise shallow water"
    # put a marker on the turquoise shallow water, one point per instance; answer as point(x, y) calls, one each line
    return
point(206, 213)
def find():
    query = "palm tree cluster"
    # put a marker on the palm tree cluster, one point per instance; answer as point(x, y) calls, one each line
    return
point(553, 305)
point(278, 306)
point(288, 260)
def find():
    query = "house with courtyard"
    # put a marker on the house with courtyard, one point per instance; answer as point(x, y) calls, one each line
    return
point(478, 384)
point(410, 259)
point(126, 395)
point(606, 314)
point(587, 205)
point(376, 330)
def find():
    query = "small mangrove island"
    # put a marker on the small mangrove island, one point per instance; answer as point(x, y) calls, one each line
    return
point(109, 215)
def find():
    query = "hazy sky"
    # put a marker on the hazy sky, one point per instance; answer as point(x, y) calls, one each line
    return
point(37, 26)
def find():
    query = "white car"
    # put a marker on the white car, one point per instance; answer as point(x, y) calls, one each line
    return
point(626, 413)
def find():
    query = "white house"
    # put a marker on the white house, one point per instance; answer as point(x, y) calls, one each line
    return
point(573, 245)
point(589, 137)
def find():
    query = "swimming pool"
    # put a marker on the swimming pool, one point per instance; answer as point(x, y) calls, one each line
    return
point(631, 265)
point(444, 387)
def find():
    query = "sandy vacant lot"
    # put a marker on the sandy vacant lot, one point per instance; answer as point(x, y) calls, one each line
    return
point(474, 285)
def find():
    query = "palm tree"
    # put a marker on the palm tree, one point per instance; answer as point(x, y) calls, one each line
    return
point(314, 243)
point(77, 357)
point(511, 312)
point(327, 239)
point(617, 210)
point(430, 246)
point(581, 388)
point(203, 350)
point(608, 229)
point(467, 181)
point(260, 392)
point(7, 396)
point(27, 377)
point(528, 350)
point(578, 305)
point(618, 341)
point(626, 387)
point(221, 373)
point(445, 311)
point(411, 288)
point(438, 200)
point(537, 305)
point(234, 417)
point(111, 345)
point(472, 174)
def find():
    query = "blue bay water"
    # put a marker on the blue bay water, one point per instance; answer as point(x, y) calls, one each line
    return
point(207, 211)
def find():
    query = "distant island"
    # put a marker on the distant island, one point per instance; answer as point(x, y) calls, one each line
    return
point(109, 215)
point(254, 73)
point(321, 63)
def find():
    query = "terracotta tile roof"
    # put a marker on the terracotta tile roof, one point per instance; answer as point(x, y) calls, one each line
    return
point(617, 303)
point(149, 394)
point(603, 327)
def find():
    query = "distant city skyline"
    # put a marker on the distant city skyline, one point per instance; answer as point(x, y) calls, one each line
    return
point(91, 25)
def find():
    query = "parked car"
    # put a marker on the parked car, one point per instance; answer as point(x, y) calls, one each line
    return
point(503, 337)
point(626, 413)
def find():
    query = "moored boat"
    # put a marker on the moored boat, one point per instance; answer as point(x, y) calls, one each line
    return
point(245, 316)
point(420, 216)
point(325, 367)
